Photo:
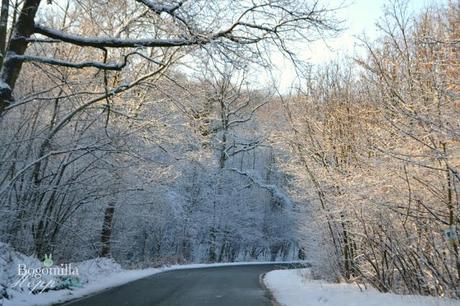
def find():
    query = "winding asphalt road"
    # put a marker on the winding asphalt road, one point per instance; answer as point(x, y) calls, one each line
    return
point(214, 286)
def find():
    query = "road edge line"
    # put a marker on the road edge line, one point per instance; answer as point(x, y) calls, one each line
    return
point(268, 292)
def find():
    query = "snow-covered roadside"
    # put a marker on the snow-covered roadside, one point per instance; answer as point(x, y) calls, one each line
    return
point(95, 284)
point(297, 288)
point(94, 275)
point(102, 281)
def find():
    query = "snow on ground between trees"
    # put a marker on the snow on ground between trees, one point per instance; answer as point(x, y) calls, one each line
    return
point(296, 287)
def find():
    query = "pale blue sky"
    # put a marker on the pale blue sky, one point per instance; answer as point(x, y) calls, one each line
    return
point(359, 17)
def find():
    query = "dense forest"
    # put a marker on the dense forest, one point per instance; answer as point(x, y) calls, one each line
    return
point(134, 130)
point(375, 145)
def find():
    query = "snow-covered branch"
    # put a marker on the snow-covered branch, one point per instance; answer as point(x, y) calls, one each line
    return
point(63, 63)
point(274, 190)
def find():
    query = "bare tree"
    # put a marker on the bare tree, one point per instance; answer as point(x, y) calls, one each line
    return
point(174, 24)
point(379, 149)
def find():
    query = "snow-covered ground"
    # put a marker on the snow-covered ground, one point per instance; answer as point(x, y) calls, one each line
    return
point(100, 274)
point(94, 275)
point(297, 288)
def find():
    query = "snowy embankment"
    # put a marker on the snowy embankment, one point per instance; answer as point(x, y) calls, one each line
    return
point(93, 275)
point(297, 288)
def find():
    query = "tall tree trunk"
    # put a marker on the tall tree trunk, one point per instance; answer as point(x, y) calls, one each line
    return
point(3, 28)
point(22, 30)
point(212, 248)
point(106, 233)
point(450, 206)
point(346, 248)
point(223, 152)
point(224, 122)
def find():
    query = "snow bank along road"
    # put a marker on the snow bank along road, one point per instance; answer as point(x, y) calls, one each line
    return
point(217, 286)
